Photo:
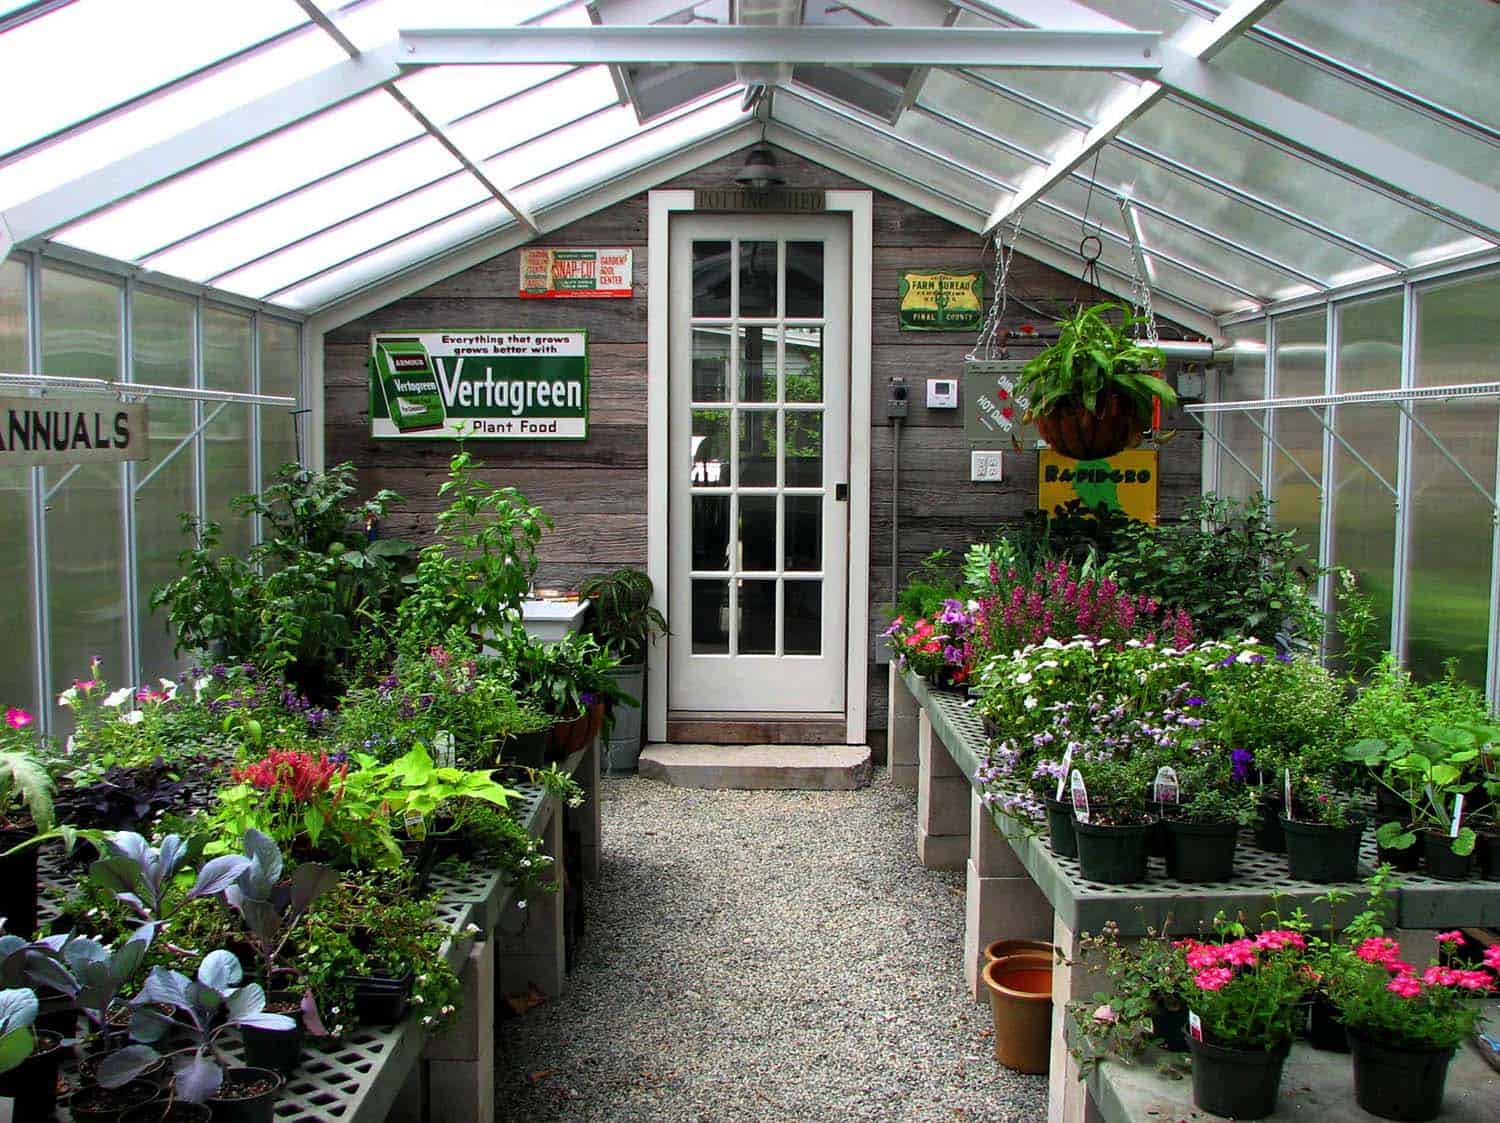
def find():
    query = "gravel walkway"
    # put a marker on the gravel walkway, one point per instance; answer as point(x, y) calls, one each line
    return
point(766, 956)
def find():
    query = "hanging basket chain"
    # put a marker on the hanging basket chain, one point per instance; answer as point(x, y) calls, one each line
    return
point(991, 341)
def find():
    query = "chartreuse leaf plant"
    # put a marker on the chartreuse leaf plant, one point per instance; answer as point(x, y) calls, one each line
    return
point(1091, 357)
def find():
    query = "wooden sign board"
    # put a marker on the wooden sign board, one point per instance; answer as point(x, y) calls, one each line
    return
point(557, 274)
point(937, 300)
point(1125, 482)
point(82, 429)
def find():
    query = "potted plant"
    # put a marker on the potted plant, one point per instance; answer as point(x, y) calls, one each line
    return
point(1203, 828)
point(1144, 1000)
point(1323, 827)
point(25, 812)
point(1091, 392)
point(1111, 822)
point(1405, 1024)
point(29, 1057)
point(625, 622)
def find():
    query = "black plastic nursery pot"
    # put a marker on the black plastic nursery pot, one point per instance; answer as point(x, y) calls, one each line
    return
point(1201, 852)
point(527, 749)
point(248, 1095)
point(1268, 833)
point(1112, 855)
point(279, 1050)
point(1060, 834)
point(1407, 861)
point(1169, 1021)
point(32, 1084)
point(168, 1111)
point(93, 1104)
point(1441, 861)
point(1238, 1083)
point(1323, 1030)
point(1487, 849)
point(1403, 1084)
point(18, 883)
point(381, 1000)
point(1322, 854)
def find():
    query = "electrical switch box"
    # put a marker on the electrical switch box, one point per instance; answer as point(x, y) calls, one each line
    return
point(942, 393)
point(897, 405)
point(986, 467)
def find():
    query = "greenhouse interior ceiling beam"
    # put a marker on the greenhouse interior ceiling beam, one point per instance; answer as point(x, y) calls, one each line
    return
point(1194, 47)
point(52, 210)
point(1324, 139)
point(1126, 51)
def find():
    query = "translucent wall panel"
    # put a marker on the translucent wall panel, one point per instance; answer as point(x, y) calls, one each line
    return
point(81, 333)
point(166, 484)
point(280, 373)
point(227, 344)
point(1242, 381)
point(17, 674)
point(1297, 466)
point(1452, 544)
point(1364, 511)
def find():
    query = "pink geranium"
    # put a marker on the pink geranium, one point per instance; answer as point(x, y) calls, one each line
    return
point(1404, 985)
point(17, 718)
point(1214, 978)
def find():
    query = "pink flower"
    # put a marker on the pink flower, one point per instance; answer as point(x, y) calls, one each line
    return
point(1473, 980)
point(1405, 986)
point(1439, 976)
point(1106, 1015)
point(17, 718)
point(1202, 957)
point(85, 684)
point(1241, 953)
point(1378, 949)
point(1278, 938)
point(1455, 938)
point(1215, 978)
point(1492, 957)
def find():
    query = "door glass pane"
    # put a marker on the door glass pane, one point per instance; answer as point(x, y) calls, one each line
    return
point(17, 673)
point(226, 442)
point(710, 364)
point(710, 278)
point(804, 448)
point(711, 466)
point(804, 279)
point(757, 279)
point(758, 533)
point(803, 364)
point(162, 338)
point(804, 617)
point(758, 617)
point(1301, 345)
point(758, 446)
point(804, 532)
point(757, 363)
point(711, 532)
point(710, 617)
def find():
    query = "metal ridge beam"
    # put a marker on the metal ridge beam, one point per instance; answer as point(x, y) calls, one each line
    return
point(1128, 51)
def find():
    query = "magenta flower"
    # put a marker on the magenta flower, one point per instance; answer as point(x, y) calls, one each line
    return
point(1214, 978)
point(1405, 986)
point(17, 718)
point(1454, 938)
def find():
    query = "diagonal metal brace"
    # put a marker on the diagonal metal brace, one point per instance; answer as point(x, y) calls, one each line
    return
point(1450, 458)
point(1352, 451)
point(1317, 483)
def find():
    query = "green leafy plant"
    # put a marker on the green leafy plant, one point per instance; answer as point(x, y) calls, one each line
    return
point(18, 1010)
point(1427, 776)
point(623, 618)
point(1091, 357)
point(933, 581)
point(25, 786)
point(1141, 981)
point(1247, 989)
point(1381, 995)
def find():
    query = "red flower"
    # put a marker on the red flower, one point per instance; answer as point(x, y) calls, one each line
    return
point(297, 775)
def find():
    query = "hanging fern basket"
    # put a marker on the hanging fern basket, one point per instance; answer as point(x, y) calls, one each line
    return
point(1075, 431)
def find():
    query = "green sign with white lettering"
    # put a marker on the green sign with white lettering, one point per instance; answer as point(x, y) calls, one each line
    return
point(486, 385)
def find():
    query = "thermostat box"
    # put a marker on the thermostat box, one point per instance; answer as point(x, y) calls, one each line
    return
point(942, 393)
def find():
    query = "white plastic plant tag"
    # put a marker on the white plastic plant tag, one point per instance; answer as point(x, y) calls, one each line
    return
point(1067, 767)
point(1080, 798)
point(416, 826)
point(1166, 790)
point(1195, 1026)
point(1286, 790)
point(443, 753)
point(1458, 814)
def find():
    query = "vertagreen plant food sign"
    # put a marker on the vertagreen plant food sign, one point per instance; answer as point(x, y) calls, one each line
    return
point(481, 385)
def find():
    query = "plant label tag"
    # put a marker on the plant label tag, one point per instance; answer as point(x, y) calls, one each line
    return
point(1489, 760)
point(1286, 790)
point(1080, 798)
point(1458, 815)
point(1067, 767)
point(416, 826)
point(443, 752)
point(1166, 789)
point(1195, 1026)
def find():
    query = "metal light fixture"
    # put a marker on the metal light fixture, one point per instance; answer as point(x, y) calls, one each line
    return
point(760, 172)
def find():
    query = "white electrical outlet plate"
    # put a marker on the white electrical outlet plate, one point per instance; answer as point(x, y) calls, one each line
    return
point(986, 467)
point(942, 393)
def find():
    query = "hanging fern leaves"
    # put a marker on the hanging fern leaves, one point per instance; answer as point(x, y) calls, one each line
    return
point(1092, 357)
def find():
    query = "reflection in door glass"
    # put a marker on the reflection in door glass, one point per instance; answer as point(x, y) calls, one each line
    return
point(710, 454)
point(757, 279)
point(804, 364)
point(758, 617)
point(757, 533)
point(803, 628)
point(804, 448)
point(757, 363)
point(804, 279)
point(710, 365)
point(711, 533)
point(710, 617)
point(710, 278)
point(758, 446)
point(804, 532)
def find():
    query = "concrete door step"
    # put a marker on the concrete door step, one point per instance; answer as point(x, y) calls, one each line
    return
point(815, 768)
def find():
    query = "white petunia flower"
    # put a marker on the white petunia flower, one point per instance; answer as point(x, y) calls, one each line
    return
point(1030, 702)
point(116, 698)
point(68, 696)
point(134, 717)
point(1024, 677)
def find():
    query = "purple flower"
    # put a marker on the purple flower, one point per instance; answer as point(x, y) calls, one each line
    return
point(1241, 760)
point(219, 671)
point(1257, 659)
point(588, 698)
point(1284, 657)
point(1194, 701)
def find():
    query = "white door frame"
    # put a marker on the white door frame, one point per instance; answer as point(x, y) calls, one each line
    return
point(859, 206)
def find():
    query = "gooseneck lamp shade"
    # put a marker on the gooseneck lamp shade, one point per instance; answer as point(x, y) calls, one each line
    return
point(760, 172)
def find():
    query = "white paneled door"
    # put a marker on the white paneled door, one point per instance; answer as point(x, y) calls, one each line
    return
point(759, 512)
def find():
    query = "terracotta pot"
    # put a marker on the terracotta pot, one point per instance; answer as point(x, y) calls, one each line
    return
point(568, 737)
point(1000, 949)
point(1074, 431)
point(1020, 989)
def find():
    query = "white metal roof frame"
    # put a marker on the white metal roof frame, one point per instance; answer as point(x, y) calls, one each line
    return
point(1244, 195)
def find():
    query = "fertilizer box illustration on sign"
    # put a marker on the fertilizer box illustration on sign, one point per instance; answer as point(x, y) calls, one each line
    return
point(498, 385)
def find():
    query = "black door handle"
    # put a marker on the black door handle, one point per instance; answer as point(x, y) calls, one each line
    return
point(841, 493)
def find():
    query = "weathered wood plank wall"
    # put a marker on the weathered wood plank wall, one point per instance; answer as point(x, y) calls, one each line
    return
point(596, 489)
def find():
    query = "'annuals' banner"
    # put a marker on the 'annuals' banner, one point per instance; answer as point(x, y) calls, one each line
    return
point(503, 385)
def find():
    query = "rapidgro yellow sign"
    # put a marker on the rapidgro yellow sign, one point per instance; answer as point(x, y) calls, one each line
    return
point(1125, 482)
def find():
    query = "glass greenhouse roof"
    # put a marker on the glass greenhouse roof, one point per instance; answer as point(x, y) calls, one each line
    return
point(299, 151)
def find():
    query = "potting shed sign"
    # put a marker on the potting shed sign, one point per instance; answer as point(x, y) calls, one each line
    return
point(550, 274)
point(500, 385)
point(935, 300)
point(1126, 482)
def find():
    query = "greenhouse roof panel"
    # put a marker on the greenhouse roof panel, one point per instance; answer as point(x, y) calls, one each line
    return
point(286, 150)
